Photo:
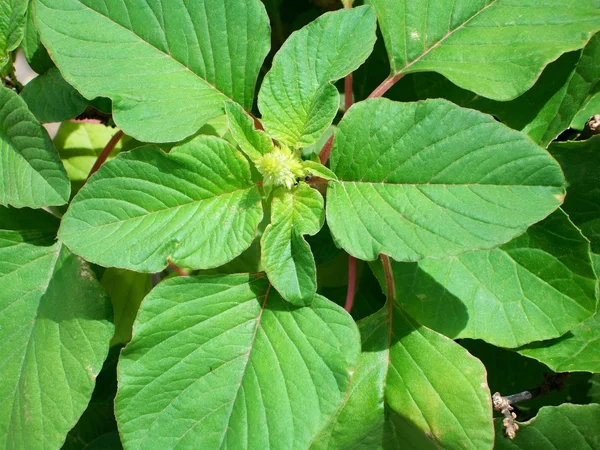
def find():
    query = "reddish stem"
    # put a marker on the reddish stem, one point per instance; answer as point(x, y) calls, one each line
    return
point(178, 269)
point(257, 124)
point(389, 278)
point(326, 150)
point(351, 283)
point(385, 85)
point(105, 152)
point(348, 91)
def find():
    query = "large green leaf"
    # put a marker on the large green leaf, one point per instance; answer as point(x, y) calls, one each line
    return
point(536, 287)
point(576, 351)
point(51, 99)
point(168, 65)
point(556, 427)
point(223, 361)
point(297, 99)
point(496, 48)
point(196, 205)
point(12, 24)
point(31, 173)
point(412, 188)
point(35, 53)
point(545, 110)
point(286, 256)
point(581, 162)
point(54, 333)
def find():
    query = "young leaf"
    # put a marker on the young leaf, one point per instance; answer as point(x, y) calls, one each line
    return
point(168, 66)
point(544, 111)
point(558, 427)
point(126, 290)
point(536, 287)
point(494, 48)
point(237, 366)
point(431, 383)
point(51, 99)
point(576, 351)
point(31, 173)
point(580, 161)
point(286, 256)
point(254, 143)
point(12, 23)
point(196, 205)
point(412, 188)
point(591, 108)
point(297, 99)
point(318, 170)
point(54, 333)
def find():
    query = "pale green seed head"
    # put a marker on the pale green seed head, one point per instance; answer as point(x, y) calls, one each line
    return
point(280, 167)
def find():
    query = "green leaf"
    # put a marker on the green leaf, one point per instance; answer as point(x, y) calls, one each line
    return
point(411, 188)
point(591, 108)
point(238, 366)
point(171, 64)
point(297, 99)
point(495, 48)
point(30, 171)
point(429, 381)
point(196, 205)
point(536, 287)
point(54, 333)
point(580, 161)
point(126, 290)
point(12, 24)
point(558, 427)
point(80, 143)
point(318, 170)
point(51, 99)
point(576, 351)
point(35, 53)
point(286, 256)
point(544, 111)
point(254, 143)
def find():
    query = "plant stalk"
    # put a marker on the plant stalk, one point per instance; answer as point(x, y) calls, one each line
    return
point(102, 157)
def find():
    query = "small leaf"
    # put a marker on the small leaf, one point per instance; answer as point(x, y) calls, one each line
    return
point(580, 161)
point(494, 48)
point(576, 351)
point(297, 98)
point(318, 170)
point(558, 427)
point(197, 205)
point(31, 173)
point(536, 287)
point(286, 256)
point(126, 290)
point(238, 366)
point(165, 79)
point(254, 143)
point(544, 111)
point(35, 53)
point(12, 24)
point(54, 333)
point(591, 108)
point(51, 99)
point(411, 188)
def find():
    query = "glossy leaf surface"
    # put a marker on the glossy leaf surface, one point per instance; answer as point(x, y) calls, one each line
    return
point(145, 206)
point(165, 79)
point(411, 188)
point(238, 366)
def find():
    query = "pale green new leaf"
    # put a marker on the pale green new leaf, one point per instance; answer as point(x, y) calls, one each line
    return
point(286, 256)
point(253, 142)
point(318, 170)
point(580, 161)
point(168, 65)
point(12, 24)
point(31, 173)
point(538, 286)
point(576, 351)
point(556, 427)
point(297, 99)
point(196, 205)
point(495, 48)
point(591, 108)
point(51, 99)
point(224, 362)
point(54, 333)
point(545, 110)
point(126, 290)
point(430, 179)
